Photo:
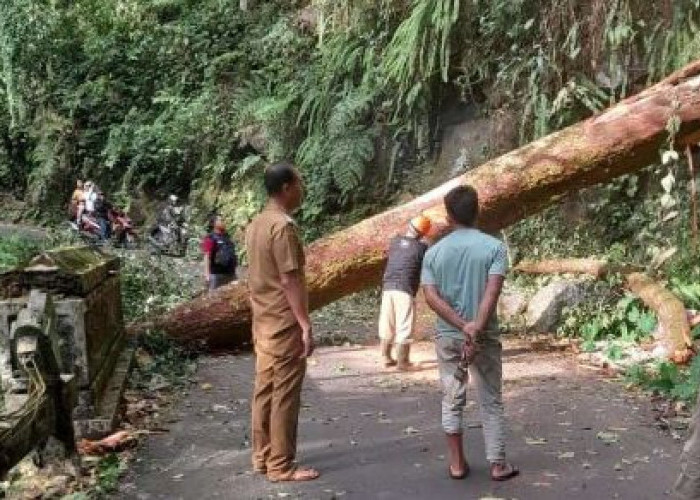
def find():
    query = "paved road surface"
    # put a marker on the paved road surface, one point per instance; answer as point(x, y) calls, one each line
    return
point(376, 435)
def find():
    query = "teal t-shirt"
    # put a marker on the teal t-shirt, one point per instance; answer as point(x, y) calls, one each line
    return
point(459, 266)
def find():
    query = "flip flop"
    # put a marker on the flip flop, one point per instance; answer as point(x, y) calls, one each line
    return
point(296, 475)
point(509, 472)
point(464, 473)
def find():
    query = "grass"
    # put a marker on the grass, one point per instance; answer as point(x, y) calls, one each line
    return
point(16, 250)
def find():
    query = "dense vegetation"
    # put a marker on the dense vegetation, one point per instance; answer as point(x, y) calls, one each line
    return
point(195, 95)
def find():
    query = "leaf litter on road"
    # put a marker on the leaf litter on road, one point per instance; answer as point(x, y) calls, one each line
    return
point(535, 441)
point(608, 437)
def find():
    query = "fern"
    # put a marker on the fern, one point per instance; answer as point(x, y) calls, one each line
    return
point(349, 155)
point(420, 47)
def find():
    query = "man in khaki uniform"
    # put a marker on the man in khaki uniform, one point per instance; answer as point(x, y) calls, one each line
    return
point(281, 326)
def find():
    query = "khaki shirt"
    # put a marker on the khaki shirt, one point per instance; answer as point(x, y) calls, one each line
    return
point(274, 247)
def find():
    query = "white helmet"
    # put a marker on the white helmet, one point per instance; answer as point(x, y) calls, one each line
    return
point(173, 199)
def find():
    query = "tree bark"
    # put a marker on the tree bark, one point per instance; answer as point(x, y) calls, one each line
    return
point(620, 140)
point(671, 314)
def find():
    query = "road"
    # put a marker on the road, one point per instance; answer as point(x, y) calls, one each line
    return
point(376, 435)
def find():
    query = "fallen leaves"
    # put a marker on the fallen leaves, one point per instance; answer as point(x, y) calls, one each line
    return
point(535, 441)
point(608, 437)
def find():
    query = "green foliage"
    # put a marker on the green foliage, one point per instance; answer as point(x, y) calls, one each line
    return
point(109, 470)
point(153, 284)
point(197, 96)
point(626, 320)
point(15, 251)
point(166, 365)
point(668, 379)
point(688, 291)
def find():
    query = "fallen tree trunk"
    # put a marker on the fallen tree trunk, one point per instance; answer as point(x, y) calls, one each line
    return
point(620, 140)
point(674, 326)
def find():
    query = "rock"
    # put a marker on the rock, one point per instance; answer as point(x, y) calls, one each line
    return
point(255, 136)
point(545, 308)
point(511, 305)
point(57, 487)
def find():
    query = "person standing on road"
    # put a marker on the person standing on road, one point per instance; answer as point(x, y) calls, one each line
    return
point(462, 279)
point(281, 326)
point(401, 281)
point(220, 260)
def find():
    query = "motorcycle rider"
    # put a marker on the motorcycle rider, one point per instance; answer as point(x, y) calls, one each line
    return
point(90, 196)
point(170, 216)
point(88, 202)
point(101, 209)
point(75, 199)
point(220, 260)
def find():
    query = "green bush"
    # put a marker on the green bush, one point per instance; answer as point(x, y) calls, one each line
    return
point(168, 363)
point(16, 250)
point(626, 320)
point(668, 379)
point(153, 284)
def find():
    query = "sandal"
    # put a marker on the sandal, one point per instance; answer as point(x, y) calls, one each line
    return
point(507, 471)
point(296, 475)
point(464, 473)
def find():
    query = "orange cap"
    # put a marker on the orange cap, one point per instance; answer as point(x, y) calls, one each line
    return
point(421, 224)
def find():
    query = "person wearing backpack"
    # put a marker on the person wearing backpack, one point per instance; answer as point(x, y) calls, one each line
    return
point(220, 259)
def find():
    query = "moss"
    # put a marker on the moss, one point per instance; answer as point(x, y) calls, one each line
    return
point(74, 259)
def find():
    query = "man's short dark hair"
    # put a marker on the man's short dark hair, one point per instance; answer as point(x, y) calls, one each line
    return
point(462, 204)
point(277, 175)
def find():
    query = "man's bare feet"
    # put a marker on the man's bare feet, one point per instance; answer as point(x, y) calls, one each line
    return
point(297, 475)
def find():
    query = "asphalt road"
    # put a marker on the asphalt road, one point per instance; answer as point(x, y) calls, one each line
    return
point(376, 435)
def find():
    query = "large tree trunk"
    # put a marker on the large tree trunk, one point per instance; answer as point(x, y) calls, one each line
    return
point(620, 140)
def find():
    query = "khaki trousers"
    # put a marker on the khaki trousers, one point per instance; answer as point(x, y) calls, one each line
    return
point(275, 407)
point(687, 485)
point(397, 317)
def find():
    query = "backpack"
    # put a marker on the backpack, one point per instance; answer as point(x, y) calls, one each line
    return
point(223, 257)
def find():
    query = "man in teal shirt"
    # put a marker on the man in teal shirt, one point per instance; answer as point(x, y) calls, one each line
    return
point(462, 277)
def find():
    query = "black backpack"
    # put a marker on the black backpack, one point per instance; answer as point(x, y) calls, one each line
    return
point(223, 256)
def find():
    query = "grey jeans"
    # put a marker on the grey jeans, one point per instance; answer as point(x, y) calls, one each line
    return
point(486, 372)
point(687, 486)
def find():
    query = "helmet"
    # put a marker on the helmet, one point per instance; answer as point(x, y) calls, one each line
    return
point(172, 199)
point(420, 224)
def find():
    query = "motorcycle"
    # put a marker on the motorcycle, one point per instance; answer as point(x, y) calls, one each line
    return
point(89, 229)
point(123, 230)
point(169, 239)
